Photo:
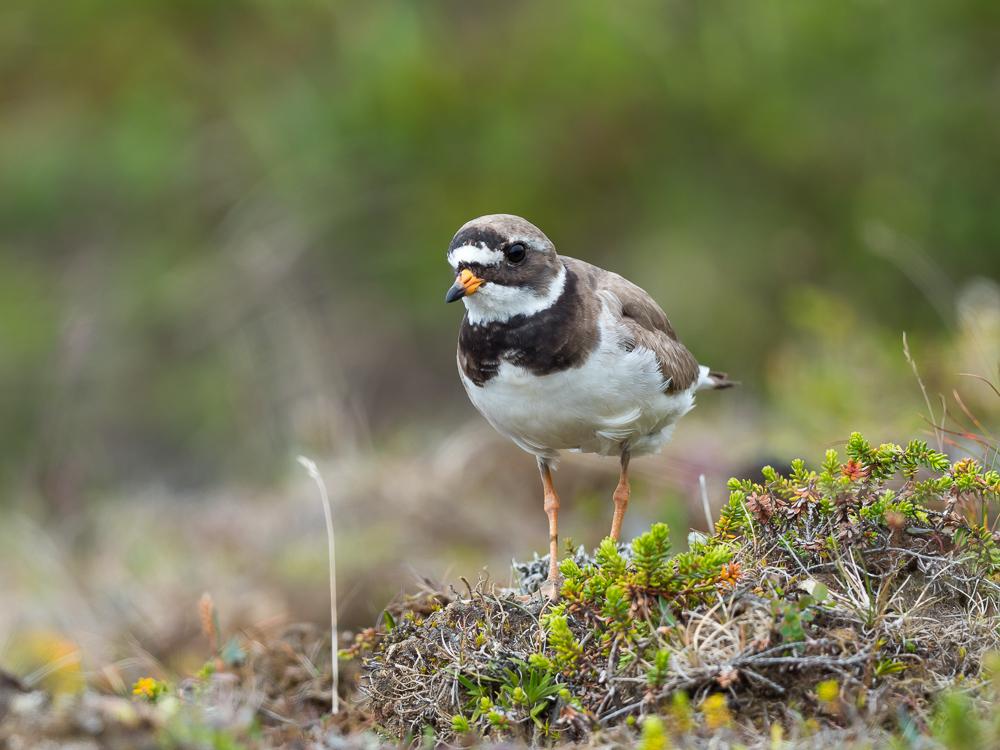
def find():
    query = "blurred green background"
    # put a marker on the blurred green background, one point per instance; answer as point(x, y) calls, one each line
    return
point(222, 238)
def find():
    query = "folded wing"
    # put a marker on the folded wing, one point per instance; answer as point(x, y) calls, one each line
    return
point(645, 325)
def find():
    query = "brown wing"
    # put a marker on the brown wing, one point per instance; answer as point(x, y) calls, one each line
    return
point(646, 326)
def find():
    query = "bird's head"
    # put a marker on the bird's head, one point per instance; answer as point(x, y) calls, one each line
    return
point(504, 266)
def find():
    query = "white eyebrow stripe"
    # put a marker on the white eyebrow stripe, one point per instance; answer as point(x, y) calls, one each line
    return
point(474, 254)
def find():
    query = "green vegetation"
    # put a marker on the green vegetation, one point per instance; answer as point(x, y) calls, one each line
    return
point(623, 602)
point(517, 699)
point(855, 596)
point(794, 617)
point(856, 505)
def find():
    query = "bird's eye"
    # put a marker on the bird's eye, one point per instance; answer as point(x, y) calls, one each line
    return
point(516, 253)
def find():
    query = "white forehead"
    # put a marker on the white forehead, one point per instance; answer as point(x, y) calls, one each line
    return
point(480, 254)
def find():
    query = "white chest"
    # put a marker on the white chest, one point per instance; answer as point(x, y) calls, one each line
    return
point(614, 399)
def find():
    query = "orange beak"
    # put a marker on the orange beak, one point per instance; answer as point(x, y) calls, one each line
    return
point(466, 283)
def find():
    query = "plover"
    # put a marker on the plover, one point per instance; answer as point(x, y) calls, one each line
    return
point(559, 354)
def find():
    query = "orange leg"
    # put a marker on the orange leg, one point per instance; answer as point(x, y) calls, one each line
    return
point(551, 586)
point(622, 493)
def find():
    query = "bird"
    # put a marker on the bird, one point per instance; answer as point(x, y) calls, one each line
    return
point(558, 354)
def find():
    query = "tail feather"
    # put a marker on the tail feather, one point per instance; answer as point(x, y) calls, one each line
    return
point(711, 380)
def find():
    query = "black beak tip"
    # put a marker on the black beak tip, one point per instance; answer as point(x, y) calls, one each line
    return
point(456, 292)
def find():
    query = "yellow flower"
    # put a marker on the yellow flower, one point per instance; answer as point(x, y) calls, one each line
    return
point(148, 688)
point(681, 714)
point(776, 736)
point(716, 712)
point(654, 734)
point(828, 691)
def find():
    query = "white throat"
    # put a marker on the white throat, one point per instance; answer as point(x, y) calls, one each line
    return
point(495, 303)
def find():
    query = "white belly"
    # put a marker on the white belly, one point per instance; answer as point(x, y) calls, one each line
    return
point(616, 399)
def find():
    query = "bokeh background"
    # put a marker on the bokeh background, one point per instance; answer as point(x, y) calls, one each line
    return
point(222, 238)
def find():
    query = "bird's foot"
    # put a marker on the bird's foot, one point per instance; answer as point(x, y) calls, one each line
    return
point(550, 589)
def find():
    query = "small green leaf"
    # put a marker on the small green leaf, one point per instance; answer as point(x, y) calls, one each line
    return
point(232, 655)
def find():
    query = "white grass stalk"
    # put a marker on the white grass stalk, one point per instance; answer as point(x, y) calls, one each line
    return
point(939, 434)
point(310, 467)
point(705, 506)
point(52, 667)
